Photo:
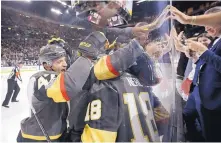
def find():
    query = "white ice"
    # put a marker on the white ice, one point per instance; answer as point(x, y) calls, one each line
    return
point(11, 117)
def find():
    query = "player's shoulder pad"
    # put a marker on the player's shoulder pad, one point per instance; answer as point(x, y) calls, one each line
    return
point(41, 73)
point(102, 85)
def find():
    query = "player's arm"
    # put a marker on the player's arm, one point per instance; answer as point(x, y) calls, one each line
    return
point(115, 32)
point(111, 66)
point(145, 70)
point(103, 115)
point(68, 84)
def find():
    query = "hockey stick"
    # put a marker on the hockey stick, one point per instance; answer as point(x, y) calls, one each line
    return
point(30, 93)
point(41, 126)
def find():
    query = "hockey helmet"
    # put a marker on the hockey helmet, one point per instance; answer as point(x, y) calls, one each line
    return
point(93, 45)
point(70, 54)
point(49, 53)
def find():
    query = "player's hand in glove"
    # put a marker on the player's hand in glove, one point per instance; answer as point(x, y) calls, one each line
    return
point(157, 23)
point(179, 16)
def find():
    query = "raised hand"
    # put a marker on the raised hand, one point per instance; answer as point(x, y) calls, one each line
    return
point(167, 47)
point(157, 23)
point(196, 46)
point(177, 40)
point(179, 16)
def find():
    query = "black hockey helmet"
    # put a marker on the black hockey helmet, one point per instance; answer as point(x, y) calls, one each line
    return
point(94, 45)
point(70, 53)
point(49, 53)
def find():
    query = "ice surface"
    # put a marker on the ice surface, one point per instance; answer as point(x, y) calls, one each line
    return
point(11, 117)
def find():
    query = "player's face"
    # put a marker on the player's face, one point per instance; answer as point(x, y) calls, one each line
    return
point(59, 65)
point(204, 40)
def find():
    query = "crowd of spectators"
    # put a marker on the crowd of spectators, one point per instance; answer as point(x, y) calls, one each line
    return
point(24, 34)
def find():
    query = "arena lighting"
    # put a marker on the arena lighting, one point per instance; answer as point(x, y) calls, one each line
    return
point(140, 1)
point(63, 3)
point(67, 11)
point(27, 1)
point(56, 11)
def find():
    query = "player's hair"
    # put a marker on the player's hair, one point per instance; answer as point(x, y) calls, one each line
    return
point(213, 10)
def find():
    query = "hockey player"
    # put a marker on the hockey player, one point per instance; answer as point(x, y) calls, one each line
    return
point(47, 117)
point(112, 102)
point(120, 110)
point(55, 58)
point(13, 85)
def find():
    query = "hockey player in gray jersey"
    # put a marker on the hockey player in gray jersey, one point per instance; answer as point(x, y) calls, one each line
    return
point(79, 110)
point(47, 117)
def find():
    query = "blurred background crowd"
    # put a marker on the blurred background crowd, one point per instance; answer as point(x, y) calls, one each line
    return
point(24, 34)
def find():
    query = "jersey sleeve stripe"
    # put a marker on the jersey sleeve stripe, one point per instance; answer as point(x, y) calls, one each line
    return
point(102, 71)
point(96, 135)
point(57, 90)
point(63, 89)
point(110, 67)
